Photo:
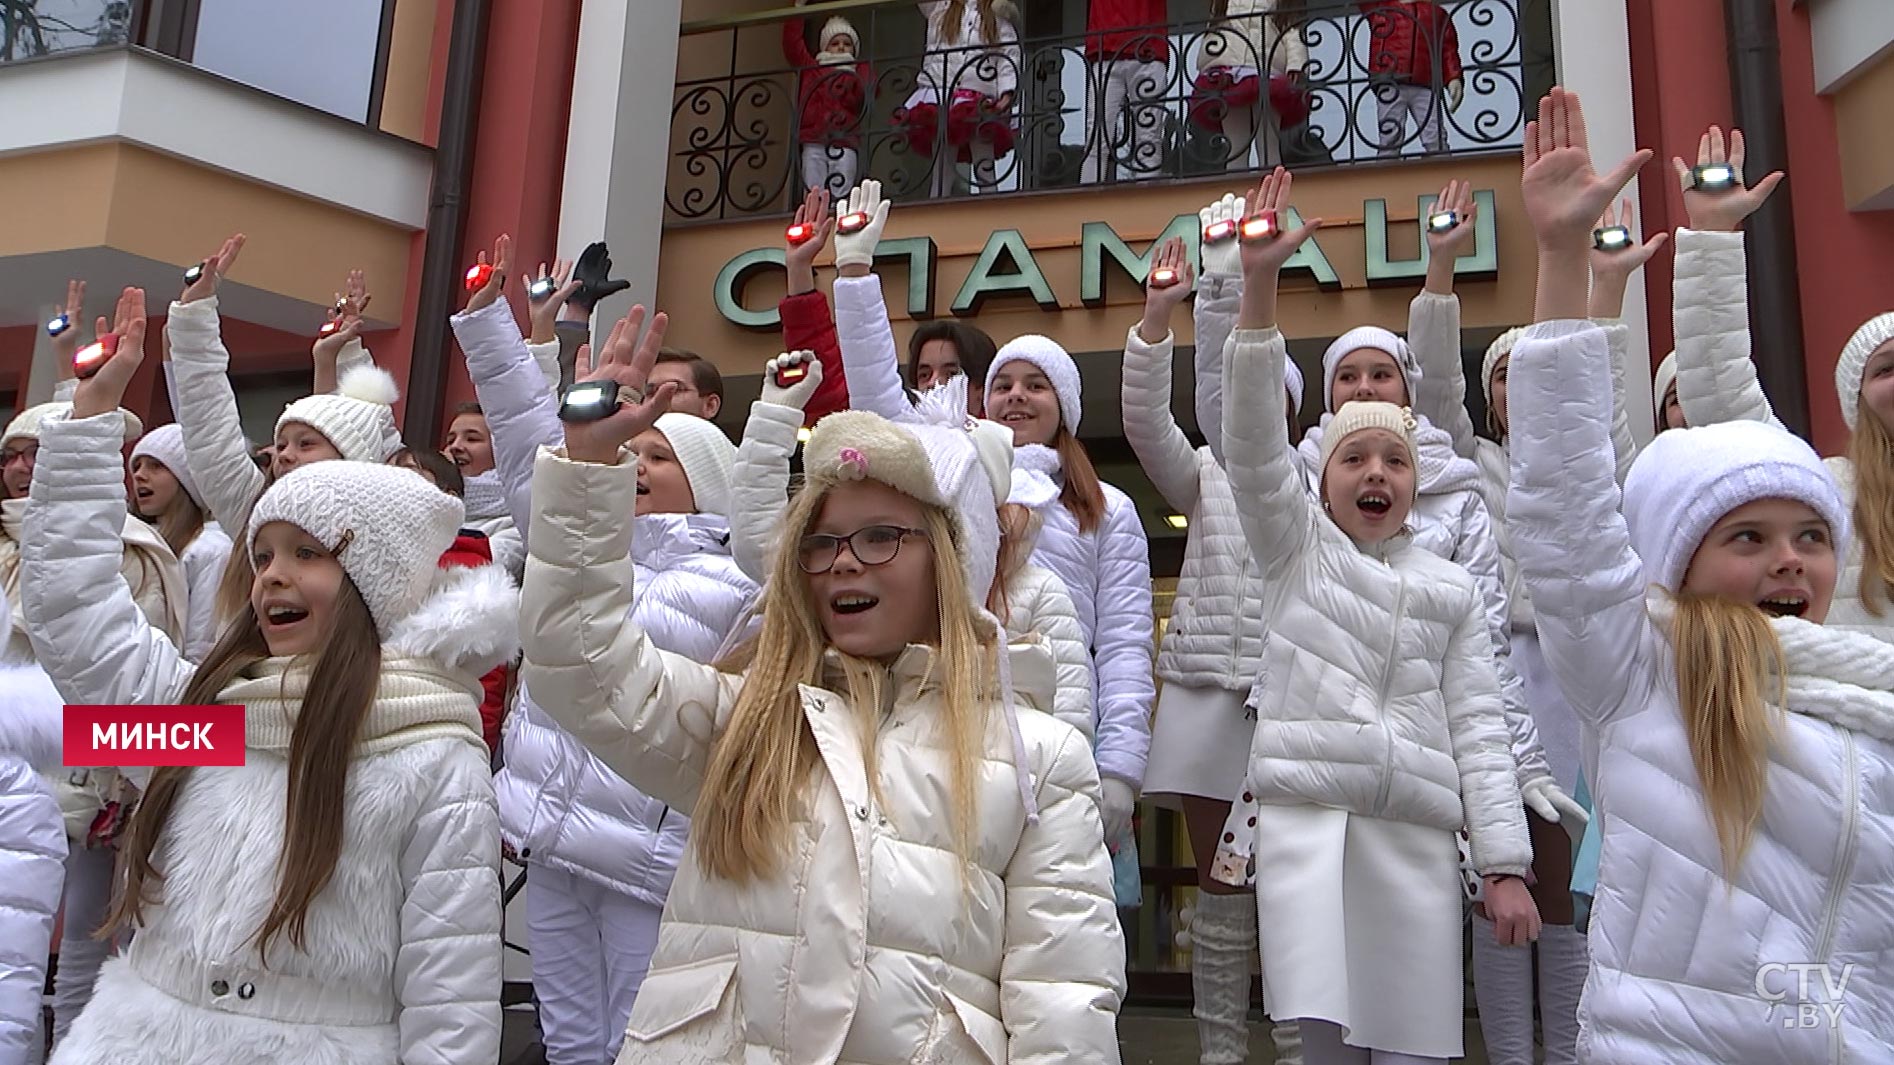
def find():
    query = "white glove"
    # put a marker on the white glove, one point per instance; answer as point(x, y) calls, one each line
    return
point(797, 393)
point(1456, 91)
point(1119, 800)
point(1545, 798)
point(858, 248)
point(1225, 256)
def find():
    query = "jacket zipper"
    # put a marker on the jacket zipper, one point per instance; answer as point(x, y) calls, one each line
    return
point(1387, 681)
point(1844, 865)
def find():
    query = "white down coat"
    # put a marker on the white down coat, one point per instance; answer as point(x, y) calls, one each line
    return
point(856, 950)
point(1037, 604)
point(1678, 952)
point(1382, 700)
point(1107, 571)
point(402, 955)
point(204, 559)
point(32, 847)
point(1248, 38)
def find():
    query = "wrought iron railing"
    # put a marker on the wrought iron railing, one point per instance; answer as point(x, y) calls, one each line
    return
point(1342, 81)
point(30, 29)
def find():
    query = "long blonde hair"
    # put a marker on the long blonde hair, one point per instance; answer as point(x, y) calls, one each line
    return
point(947, 27)
point(1729, 682)
point(761, 766)
point(1871, 450)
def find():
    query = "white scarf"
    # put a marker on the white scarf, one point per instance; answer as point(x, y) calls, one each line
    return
point(1036, 477)
point(485, 496)
point(416, 699)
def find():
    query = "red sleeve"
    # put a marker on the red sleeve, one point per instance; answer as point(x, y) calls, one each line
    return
point(795, 49)
point(493, 705)
point(1449, 48)
point(807, 324)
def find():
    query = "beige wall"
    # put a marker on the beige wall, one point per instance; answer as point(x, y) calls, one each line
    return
point(1051, 223)
point(410, 63)
point(1862, 109)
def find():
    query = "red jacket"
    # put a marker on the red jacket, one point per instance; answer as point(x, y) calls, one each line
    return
point(808, 325)
point(471, 549)
point(829, 95)
point(1406, 39)
point(1127, 29)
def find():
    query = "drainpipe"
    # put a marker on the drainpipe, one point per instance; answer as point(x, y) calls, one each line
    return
point(446, 220)
point(1775, 301)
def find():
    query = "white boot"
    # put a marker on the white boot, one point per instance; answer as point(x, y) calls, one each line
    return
point(1287, 1035)
point(1223, 946)
point(1502, 986)
point(1564, 959)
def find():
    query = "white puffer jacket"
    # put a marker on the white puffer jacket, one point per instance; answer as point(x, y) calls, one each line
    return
point(1216, 633)
point(214, 446)
point(1038, 605)
point(1678, 952)
point(32, 848)
point(1249, 37)
point(490, 513)
point(1849, 611)
point(857, 951)
point(562, 807)
point(204, 560)
point(402, 955)
point(1383, 699)
point(1107, 571)
point(962, 58)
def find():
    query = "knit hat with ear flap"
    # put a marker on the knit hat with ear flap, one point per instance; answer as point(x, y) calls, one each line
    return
point(1661, 381)
point(165, 446)
point(25, 425)
point(1854, 362)
point(358, 418)
point(387, 525)
point(1686, 480)
point(1501, 347)
point(1050, 359)
point(707, 456)
point(1373, 337)
point(1357, 415)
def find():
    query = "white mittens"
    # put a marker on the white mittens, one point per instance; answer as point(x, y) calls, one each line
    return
point(795, 392)
point(1223, 256)
point(859, 220)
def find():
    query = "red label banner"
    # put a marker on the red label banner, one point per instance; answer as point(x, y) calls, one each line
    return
point(153, 735)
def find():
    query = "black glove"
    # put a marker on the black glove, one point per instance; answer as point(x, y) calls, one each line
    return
point(593, 272)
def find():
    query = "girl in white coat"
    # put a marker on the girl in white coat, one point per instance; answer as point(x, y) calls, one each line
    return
point(601, 853)
point(354, 917)
point(1380, 730)
point(889, 862)
point(165, 494)
point(32, 848)
point(1093, 539)
point(1743, 746)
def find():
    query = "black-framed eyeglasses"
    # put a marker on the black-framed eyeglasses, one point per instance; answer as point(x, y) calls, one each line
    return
point(875, 545)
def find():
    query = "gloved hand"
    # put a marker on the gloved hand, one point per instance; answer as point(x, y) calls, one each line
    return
point(1225, 256)
point(1456, 91)
point(1545, 798)
point(797, 393)
point(593, 272)
point(1119, 801)
point(858, 248)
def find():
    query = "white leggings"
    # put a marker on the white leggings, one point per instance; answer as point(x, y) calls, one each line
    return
point(1322, 1045)
point(88, 899)
point(591, 947)
point(1122, 124)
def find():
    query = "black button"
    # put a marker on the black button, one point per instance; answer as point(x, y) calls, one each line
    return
point(526, 852)
point(220, 988)
point(246, 991)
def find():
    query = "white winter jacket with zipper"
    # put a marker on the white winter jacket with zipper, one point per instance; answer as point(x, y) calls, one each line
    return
point(207, 414)
point(32, 847)
point(1689, 968)
point(857, 950)
point(401, 961)
point(1382, 697)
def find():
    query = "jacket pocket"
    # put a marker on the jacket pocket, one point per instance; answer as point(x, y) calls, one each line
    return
point(697, 996)
point(964, 1034)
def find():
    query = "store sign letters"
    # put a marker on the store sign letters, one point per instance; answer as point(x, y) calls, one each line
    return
point(1006, 267)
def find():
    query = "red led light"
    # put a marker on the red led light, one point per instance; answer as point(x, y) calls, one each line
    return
point(1260, 226)
point(90, 358)
point(478, 275)
point(853, 222)
point(799, 233)
point(1163, 277)
point(1222, 230)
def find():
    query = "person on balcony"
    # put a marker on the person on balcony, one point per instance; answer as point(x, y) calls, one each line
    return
point(1245, 39)
point(832, 87)
point(1126, 52)
point(973, 64)
point(1414, 63)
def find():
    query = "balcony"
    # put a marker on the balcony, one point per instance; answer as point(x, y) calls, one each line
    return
point(741, 111)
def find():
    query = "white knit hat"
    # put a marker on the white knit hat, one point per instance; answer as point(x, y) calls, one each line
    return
point(1373, 337)
point(1854, 361)
point(1660, 387)
point(165, 445)
point(1292, 382)
point(837, 24)
point(358, 418)
point(386, 525)
point(1501, 347)
point(1357, 415)
point(1053, 361)
point(707, 457)
point(1686, 480)
point(26, 423)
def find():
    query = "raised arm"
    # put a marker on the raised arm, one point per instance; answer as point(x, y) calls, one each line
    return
point(1161, 447)
point(1213, 316)
point(759, 481)
point(214, 446)
point(1716, 379)
point(1062, 971)
point(869, 357)
point(1433, 321)
point(808, 325)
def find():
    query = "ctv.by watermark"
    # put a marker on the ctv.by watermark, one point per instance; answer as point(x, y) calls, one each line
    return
point(1780, 982)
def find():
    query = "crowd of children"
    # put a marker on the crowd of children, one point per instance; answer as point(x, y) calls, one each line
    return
point(841, 767)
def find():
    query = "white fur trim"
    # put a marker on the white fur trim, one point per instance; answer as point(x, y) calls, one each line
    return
point(469, 620)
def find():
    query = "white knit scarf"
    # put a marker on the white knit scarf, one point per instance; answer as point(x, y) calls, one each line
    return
point(485, 496)
point(415, 700)
point(1037, 477)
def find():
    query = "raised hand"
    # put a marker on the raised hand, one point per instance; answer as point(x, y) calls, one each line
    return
point(66, 344)
point(1563, 194)
point(1724, 211)
point(855, 251)
point(626, 360)
point(1451, 244)
point(502, 266)
point(1167, 286)
point(216, 266)
point(543, 313)
point(796, 393)
point(1263, 259)
point(105, 389)
point(593, 271)
point(814, 221)
point(1221, 256)
point(344, 321)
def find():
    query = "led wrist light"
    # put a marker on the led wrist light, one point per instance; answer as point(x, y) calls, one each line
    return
point(789, 373)
point(94, 355)
point(1163, 277)
point(58, 326)
point(852, 222)
point(194, 274)
point(1611, 238)
point(1714, 177)
point(1442, 221)
point(478, 275)
point(1219, 231)
point(590, 401)
point(800, 233)
point(541, 289)
point(1261, 226)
